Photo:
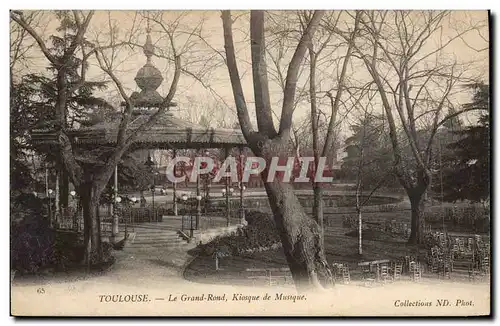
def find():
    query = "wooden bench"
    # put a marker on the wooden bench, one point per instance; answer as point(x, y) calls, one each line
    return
point(374, 262)
point(271, 276)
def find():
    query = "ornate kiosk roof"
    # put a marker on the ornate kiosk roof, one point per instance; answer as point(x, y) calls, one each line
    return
point(168, 132)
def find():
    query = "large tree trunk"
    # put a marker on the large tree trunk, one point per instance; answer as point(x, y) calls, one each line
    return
point(417, 209)
point(300, 234)
point(92, 226)
point(301, 238)
point(63, 188)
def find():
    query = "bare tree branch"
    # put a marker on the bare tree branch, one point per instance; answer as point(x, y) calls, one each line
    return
point(335, 103)
point(259, 72)
point(18, 17)
point(291, 77)
point(239, 97)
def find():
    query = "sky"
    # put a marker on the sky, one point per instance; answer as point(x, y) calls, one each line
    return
point(203, 49)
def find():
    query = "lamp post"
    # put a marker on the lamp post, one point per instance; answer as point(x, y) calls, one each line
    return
point(198, 210)
point(207, 186)
point(191, 225)
point(115, 230)
point(49, 192)
point(242, 205)
point(150, 165)
point(231, 191)
point(75, 216)
point(153, 190)
point(135, 200)
point(73, 198)
point(207, 195)
point(184, 200)
point(224, 195)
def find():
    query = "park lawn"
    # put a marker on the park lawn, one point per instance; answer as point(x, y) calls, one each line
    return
point(339, 248)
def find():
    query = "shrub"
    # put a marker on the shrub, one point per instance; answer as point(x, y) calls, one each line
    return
point(472, 216)
point(387, 207)
point(31, 248)
point(431, 240)
point(31, 239)
point(346, 201)
point(35, 246)
point(107, 257)
point(350, 221)
point(259, 234)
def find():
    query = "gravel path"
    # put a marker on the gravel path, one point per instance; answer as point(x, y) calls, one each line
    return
point(156, 276)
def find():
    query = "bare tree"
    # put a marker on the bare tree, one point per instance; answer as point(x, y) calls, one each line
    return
point(21, 44)
point(300, 235)
point(207, 113)
point(335, 100)
point(415, 79)
point(89, 179)
point(320, 129)
point(367, 139)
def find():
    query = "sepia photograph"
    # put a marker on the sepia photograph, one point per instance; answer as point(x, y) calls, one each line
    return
point(225, 162)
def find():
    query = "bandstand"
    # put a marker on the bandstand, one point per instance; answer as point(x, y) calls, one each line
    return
point(167, 133)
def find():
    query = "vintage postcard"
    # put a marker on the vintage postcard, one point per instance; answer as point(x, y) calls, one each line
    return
point(250, 163)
